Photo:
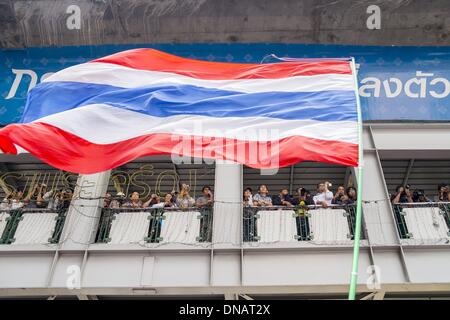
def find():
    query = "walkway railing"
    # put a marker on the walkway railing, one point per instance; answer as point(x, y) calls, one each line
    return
point(426, 221)
point(155, 225)
point(31, 226)
point(334, 224)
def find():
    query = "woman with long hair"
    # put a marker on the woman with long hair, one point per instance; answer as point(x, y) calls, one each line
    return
point(184, 200)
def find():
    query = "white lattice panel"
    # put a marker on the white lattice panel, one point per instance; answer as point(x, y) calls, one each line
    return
point(180, 227)
point(35, 228)
point(129, 227)
point(425, 223)
point(329, 225)
point(276, 225)
point(3, 221)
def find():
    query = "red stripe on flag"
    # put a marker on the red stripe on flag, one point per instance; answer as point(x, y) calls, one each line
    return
point(154, 60)
point(68, 152)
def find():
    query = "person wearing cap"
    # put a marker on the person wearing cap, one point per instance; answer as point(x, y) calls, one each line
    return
point(419, 196)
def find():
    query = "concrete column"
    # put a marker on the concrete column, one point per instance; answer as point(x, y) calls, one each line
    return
point(227, 222)
point(85, 210)
point(377, 210)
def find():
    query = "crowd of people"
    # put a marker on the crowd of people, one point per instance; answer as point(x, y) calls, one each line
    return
point(404, 194)
point(174, 199)
point(323, 197)
point(39, 197)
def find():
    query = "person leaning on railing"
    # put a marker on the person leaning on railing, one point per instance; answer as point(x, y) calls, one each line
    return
point(4, 205)
point(339, 197)
point(351, 196)
point(206, 199)
point(248, 197)
point(134, 201)
point(118, 201)
point(262, 198)
point(344, 197)
point(324, 197)
point(17, 200)
point(13, 200)
point(168, 201)
point(283, 198)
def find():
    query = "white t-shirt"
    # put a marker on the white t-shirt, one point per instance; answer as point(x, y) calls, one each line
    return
point(158, 205)
point(324, 196)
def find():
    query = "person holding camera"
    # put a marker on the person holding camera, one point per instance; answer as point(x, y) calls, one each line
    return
point(153, 202)
point(303, 198)
point(402, 195)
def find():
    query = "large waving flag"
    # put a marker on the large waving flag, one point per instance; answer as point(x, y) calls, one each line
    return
point(101, 114)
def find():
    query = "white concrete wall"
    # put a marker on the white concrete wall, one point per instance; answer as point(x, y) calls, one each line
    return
point(226, 266)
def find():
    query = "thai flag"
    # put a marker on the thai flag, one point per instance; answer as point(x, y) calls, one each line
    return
point(98, 115)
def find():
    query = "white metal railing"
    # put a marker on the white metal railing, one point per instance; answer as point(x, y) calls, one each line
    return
point(423, 222)
point(155, 225)
point(333, 224)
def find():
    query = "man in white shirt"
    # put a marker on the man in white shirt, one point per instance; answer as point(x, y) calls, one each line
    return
point(324, 197)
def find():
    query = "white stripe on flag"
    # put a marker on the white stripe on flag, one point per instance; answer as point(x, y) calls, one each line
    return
point(125, 77)
point(104, 124)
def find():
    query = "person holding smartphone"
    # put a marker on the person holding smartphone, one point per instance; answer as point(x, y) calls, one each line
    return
point(340, 197)
point(324, 197)
point(206, 199)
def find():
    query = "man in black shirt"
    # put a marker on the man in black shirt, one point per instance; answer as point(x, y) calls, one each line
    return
point(282, 199)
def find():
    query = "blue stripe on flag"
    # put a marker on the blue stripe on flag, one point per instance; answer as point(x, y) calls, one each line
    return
point(168, 100)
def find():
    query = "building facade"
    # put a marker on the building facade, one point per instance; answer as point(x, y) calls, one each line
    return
point(84, 251)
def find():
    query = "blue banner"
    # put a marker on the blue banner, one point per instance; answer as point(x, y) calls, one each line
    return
point(396, 83)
